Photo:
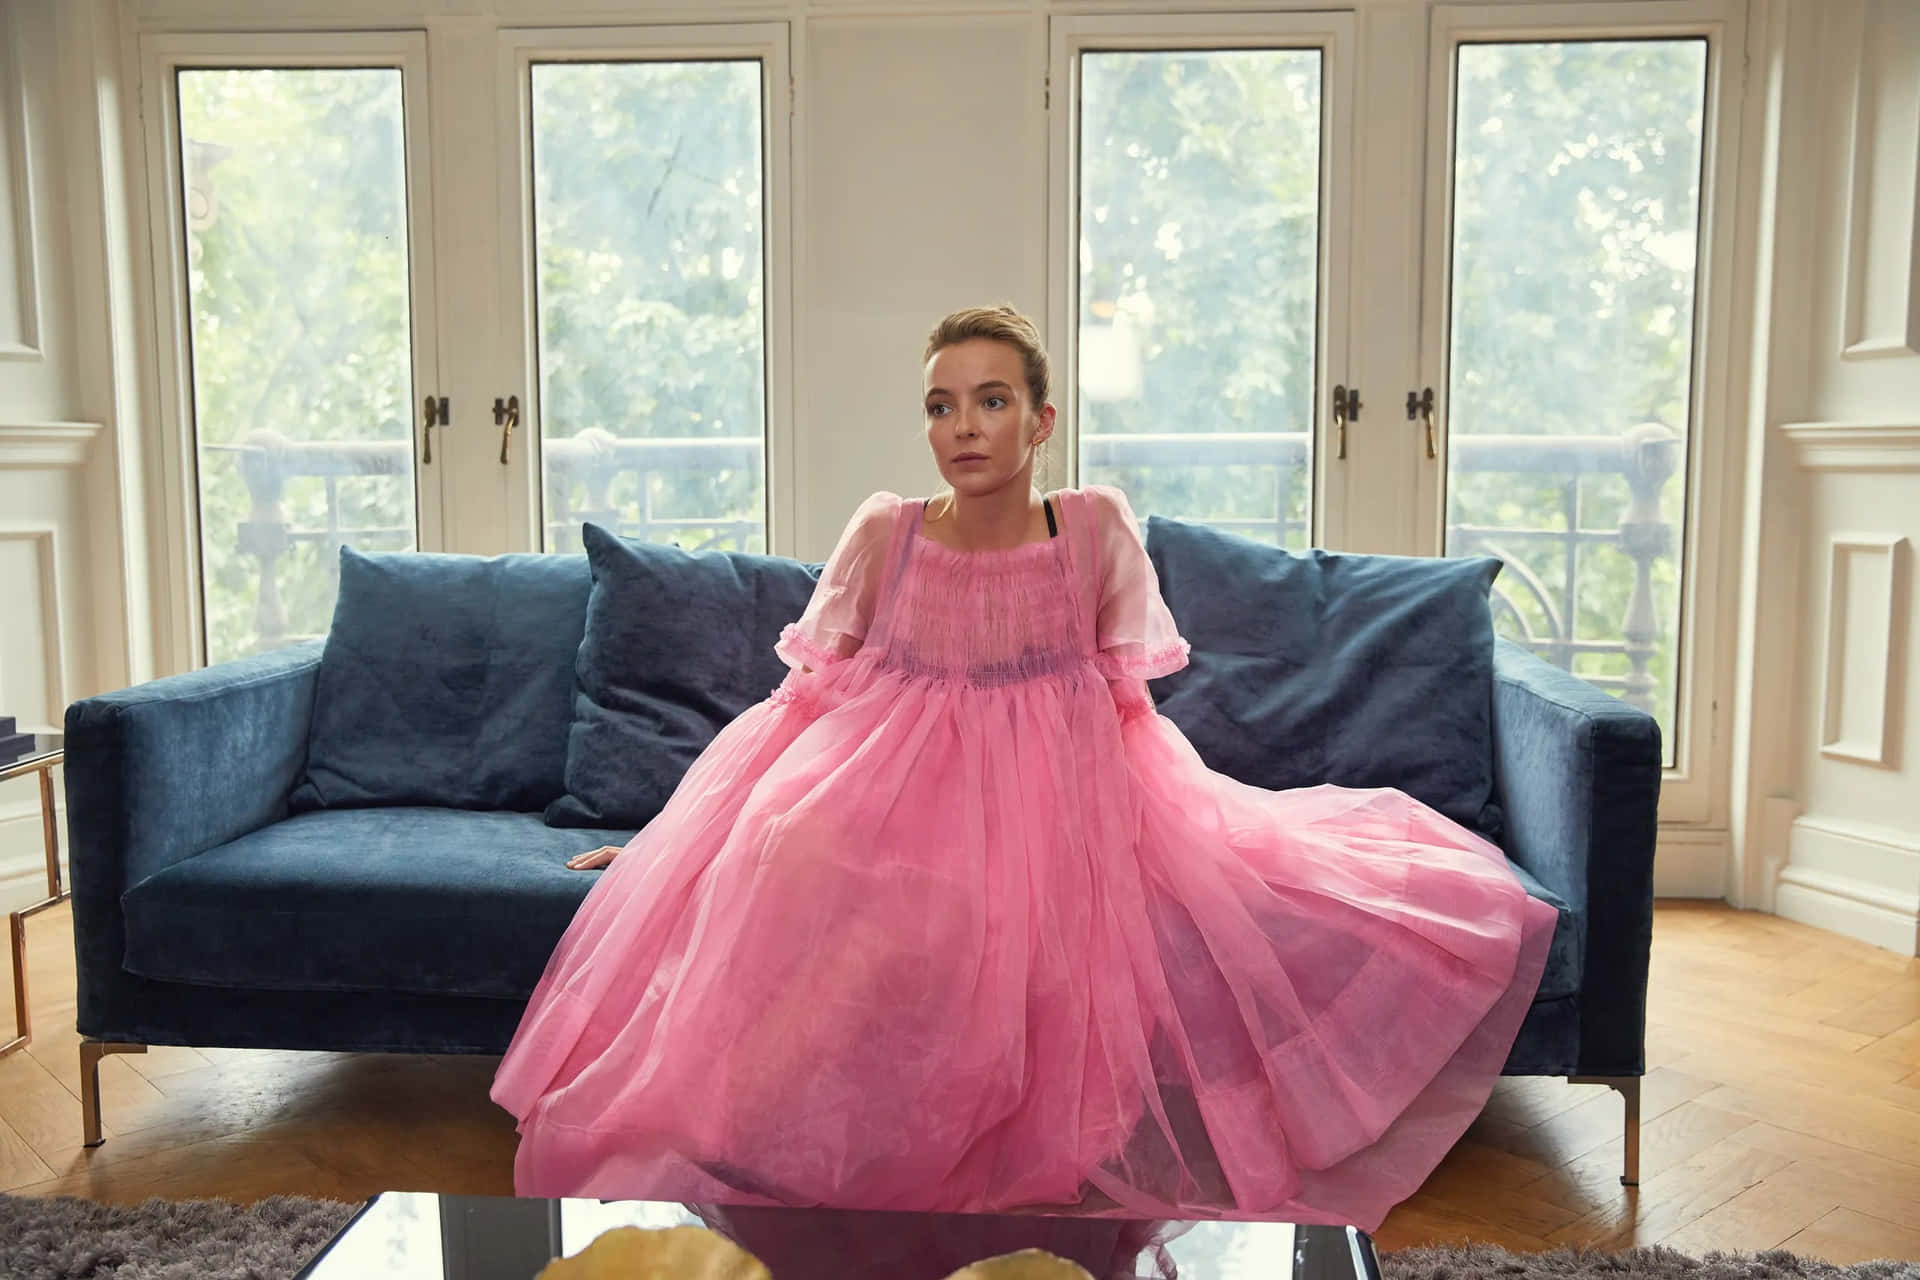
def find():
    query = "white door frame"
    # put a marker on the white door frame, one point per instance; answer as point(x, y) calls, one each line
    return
point(768, 43)
point(161, 56)
point(1333, 34)
point(1693, 790)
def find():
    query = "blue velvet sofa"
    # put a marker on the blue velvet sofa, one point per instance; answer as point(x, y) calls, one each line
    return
point(288, 851)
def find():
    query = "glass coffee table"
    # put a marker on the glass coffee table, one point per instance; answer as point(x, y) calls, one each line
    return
point(449, 1237)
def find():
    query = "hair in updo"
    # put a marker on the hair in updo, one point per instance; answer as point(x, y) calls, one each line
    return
point(1001, 324)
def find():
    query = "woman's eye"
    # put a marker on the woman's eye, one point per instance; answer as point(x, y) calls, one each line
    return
point(996, 402)
point(936, 410)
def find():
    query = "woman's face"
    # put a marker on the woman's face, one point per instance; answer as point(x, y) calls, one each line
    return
point(982, 424)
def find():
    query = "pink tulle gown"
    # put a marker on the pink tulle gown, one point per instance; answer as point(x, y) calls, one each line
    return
point(956, 921)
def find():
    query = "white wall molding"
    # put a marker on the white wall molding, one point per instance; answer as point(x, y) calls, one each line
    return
point(1855, 446)
point(17, 237)
point(1880, 305)
point(1865, 636)
point(39, 446)
point(112, 347)
point(1779, 218)
point(1856, 879)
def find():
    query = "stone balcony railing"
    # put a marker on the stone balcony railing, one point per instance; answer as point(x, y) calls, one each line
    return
point(583, 471)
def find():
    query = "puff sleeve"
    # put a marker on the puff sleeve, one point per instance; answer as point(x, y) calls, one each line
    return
point(1136, 633)
point(836, 618)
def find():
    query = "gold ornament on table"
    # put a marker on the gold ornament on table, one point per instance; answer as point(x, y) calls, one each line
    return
point(695, 1253)
point(658, 1253)
point(1028, 1264)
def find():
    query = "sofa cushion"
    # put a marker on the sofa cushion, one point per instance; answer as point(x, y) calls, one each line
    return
point(1360, 670)
point(677, 644)
point(446, 680)
point(430, 901)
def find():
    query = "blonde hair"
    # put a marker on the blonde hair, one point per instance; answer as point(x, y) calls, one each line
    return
point(997, 324)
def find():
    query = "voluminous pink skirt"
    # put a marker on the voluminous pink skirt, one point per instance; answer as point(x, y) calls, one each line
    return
point(897, 943)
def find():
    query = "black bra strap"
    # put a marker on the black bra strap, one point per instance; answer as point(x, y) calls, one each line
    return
point(1053, 530)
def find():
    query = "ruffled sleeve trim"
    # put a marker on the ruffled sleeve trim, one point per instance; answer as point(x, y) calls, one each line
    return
point(787, 694)
point(1165, 660)
point(798, 649)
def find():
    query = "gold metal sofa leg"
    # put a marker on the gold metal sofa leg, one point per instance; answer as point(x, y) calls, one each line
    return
point(91, 1051)
point(1628, 1087)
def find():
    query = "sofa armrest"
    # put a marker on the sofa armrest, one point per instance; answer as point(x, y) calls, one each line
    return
point(167, 769)
point(1578, 773)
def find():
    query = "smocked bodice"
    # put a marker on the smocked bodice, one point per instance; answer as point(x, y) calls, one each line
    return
point(991, 617)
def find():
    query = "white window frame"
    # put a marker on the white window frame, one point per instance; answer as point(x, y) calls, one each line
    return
point(768, 43)
point(1693, 791)
point(161, 56)
point(1333, 33)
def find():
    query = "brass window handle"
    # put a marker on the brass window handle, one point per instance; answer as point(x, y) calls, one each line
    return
point(1346, 408)
point(506, 416)
point(1420, 404)
point(434, 412)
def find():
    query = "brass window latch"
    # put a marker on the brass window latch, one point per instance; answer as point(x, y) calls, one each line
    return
point(506, 416)
point(1346, 408)
point(1420, 405)
point(434, 412)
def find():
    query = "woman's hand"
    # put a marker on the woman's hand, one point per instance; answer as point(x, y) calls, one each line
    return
point(594, 860)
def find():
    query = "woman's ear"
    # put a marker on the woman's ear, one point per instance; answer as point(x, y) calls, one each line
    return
point(1045, 429)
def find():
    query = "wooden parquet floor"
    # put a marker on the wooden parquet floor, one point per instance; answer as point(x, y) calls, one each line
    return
point(1781, 1109)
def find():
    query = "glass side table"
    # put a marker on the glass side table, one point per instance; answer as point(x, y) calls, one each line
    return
point(46, 751)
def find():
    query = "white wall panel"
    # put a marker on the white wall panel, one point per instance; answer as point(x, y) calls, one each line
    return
point(1863, 270)
point(19, 285)
point(33, 690)
point(1855, 494)
point(31, 682)
point(1865, 658)
point(1880, 311)
point(50, 452)
point(1856, 691)
point(921, 188)
point(1859, 760)
point(37, 380)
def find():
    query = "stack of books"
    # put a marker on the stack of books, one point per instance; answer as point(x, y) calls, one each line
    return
point(13, 744)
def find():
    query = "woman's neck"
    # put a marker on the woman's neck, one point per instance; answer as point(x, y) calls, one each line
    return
point(992, 521)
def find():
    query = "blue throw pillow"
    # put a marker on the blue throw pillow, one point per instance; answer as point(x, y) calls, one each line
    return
point(677, 644)
point(1361, 670)
point(446, 680)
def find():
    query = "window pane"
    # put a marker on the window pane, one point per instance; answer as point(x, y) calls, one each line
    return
point(1576, 233)
point(649, 256)
point(295, 206)
point(1196, 352)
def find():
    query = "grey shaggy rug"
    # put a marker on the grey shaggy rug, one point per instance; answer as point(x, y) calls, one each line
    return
point(1651, 1262)
point(63, 1238)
